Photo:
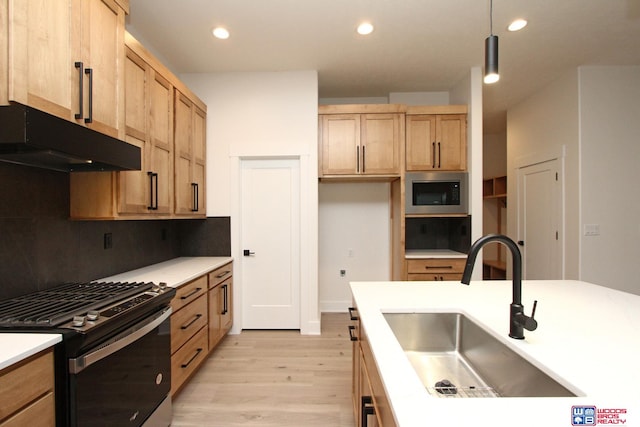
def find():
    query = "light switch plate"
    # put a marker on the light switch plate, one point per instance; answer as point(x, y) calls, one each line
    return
point(592, 229)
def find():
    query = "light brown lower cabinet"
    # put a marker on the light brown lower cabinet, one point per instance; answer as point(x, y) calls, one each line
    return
point(27, 393)
point(189, 340)
point(371, 405)
point(201, 318)
point(435, 269)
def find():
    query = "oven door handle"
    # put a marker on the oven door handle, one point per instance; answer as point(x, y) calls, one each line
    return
point(76, 365)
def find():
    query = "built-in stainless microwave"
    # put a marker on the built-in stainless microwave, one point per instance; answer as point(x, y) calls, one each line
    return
point(436, 193)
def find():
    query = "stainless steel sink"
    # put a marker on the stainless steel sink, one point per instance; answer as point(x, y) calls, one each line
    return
point(454, 357)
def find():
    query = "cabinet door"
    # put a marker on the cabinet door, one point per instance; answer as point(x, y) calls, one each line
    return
point(452, 141)
point(161, 135)
point(420, 142)
point(134, 186)
point(380, 144)
point(199, 160)
point(41, 56)
point(183, 190)
point(340, 144)
point(102, 41)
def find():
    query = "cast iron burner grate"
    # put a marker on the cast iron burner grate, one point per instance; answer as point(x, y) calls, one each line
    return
point(58, 305)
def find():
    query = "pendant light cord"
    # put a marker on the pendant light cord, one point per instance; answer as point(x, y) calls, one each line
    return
point(491, 17)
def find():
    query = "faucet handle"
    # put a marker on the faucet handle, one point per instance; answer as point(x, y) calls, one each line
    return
point(529, 323)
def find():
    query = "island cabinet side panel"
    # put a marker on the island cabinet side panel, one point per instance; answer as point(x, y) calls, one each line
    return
point(382, 407)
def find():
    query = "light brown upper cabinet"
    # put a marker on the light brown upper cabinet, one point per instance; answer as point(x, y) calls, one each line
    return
point(436, 141)
point(366, 143)
point(65, 58)
point(190, 141)
point(169, 127)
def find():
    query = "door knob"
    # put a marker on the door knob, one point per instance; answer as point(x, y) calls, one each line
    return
point(247, 252)
point(521, 242)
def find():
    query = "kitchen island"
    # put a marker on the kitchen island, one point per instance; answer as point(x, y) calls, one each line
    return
point(587, 341)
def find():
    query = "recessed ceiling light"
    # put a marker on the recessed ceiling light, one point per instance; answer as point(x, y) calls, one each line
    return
point(365, 28)
point(517, 25)
point(220, 33)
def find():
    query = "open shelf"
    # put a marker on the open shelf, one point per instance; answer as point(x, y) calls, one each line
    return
point(494, 269)
point(494, 187)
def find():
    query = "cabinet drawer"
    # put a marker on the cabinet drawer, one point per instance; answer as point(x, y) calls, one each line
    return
point(434, 277)
point(40, 413)
point(436, 265)
point(186, 322)
point(220, 274)
point(185, 361)
point(25, 383)
point(189, 292)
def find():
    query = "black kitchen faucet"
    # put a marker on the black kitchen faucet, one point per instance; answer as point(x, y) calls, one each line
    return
point(518, 321)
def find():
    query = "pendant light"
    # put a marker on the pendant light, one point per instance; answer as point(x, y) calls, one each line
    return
point(491, 52)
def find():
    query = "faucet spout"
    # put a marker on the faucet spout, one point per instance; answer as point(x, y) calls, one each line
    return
point(518, 320)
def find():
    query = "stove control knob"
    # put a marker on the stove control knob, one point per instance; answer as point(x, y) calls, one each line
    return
point(93, 315)
point(163, 285)
point(155, 288)
point(78, 321)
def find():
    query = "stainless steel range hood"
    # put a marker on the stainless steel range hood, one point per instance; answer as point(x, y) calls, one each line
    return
point(31, 137)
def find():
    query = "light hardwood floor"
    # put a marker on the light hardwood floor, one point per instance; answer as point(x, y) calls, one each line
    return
point(273, 379)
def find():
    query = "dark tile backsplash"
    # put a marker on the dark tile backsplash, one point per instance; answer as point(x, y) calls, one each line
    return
point(41, 248)
point(438, 233)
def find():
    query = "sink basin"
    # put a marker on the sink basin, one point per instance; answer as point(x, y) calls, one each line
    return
point(454, 357)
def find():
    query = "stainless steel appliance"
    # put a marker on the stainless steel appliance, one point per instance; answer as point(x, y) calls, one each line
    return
point(439, 193)
point(113, 366)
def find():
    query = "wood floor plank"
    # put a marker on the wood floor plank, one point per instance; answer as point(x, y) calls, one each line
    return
point(273, 379)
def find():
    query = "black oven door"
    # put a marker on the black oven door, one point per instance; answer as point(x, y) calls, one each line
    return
point(123, 381)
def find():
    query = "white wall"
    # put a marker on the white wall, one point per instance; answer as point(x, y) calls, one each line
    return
point(541, 128)
point(354, 229)
point(610, 175)
point(263, 114)
point(590, 116)
point(419, 98)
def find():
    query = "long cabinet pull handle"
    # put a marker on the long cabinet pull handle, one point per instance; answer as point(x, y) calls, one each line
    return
point(224, 299)
point(364, 163)
point(433, 155)
point(351, 310)
point(367, 409)
point(89, 72)
point(439, 156)
point(190, 294)
point(357, 158)
point(431, 267)
point(195, 319)
point(194, 188)
point(351, 331)
point(153, 195)
point(186, 365)
point(80, 112)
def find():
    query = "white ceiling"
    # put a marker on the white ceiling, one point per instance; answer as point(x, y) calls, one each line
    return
point(417, 45)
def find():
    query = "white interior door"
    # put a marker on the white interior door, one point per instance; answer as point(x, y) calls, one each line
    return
point(270, 236)
point(539, 220)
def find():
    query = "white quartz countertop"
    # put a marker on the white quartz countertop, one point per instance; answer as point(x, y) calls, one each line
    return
point(433, 253)
point(587, 340)
point(16, 347)
point(174, 272)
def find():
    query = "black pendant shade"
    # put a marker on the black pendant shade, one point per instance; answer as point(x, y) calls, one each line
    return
point(491, 59)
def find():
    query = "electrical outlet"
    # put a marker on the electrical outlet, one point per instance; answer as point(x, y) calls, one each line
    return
point(343, 273)
point(592, 229)
point(108, 241)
